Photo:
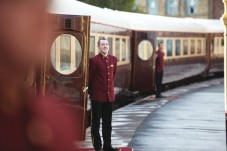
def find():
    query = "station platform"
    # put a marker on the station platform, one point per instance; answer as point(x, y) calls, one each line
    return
point(190, 118)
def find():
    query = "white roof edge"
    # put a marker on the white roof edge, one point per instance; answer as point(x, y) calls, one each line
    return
point(135, 21)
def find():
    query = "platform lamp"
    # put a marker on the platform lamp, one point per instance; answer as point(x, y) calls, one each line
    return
point(224, 18)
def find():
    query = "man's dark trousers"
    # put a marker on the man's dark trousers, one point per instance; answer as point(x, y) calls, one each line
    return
point(158, 81)
point(101, 110)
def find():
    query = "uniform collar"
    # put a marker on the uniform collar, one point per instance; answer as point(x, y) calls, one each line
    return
point(160, 51)
point(103, 56)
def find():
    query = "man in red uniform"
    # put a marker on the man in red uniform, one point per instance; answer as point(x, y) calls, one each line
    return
point(159, 69)
point(102, 70)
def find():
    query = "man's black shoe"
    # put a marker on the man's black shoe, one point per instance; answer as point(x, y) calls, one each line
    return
point(110, 149)
point(160, 96)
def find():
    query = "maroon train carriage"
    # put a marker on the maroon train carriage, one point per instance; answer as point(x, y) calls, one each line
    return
point(193, 48)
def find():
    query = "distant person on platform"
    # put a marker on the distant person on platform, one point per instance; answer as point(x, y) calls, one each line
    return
point(102, 70)
point(159, 65)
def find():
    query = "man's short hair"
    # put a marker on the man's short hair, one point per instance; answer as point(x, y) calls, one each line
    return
point(103, 38)
point(160, 43)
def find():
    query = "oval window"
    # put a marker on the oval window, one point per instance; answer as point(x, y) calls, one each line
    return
point(145, 50)
point(66, 54)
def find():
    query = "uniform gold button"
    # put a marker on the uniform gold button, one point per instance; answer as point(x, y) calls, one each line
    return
point(108, 79)
point(107, 92)
point(108, 73)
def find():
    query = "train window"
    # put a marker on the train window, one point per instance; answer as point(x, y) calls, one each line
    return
point(153, 7)
point(172, 7)
point(110, 40)
point(203, 46)
point(191, 7)
point(145, 50)
point(217, 45)
point(66, 54)
point(222, 45)
point(193, 46)
point(185, 47)
point(124, 49)
point(117, 48)
point(53, 53)
point(92, 46)
point(178, 46)
point(100, 37)
point(199, 46)
point(78, 54)
point(169, 47)
point(128, 50)
point(222, 42)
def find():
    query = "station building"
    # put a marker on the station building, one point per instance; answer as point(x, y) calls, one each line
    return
point(182, 8)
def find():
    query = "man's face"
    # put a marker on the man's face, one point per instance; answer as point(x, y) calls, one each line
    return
point(161, 46)
point(104, 47)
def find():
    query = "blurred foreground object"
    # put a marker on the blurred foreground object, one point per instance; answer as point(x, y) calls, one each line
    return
point(28, 123)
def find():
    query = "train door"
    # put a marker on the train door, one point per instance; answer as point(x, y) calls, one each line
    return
point(65, 69)
point(143, 62)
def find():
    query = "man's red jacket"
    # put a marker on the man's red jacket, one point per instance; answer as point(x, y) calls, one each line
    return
point(102, 72)
point(159, 62)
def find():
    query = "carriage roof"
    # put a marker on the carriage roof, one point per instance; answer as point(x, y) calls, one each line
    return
point(135, 21)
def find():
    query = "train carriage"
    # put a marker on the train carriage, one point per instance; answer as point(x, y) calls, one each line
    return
point(192, 48)
point(133, 38)
point(187, 43)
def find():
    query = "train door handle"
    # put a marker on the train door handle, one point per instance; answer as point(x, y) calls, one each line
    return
point(85, 89)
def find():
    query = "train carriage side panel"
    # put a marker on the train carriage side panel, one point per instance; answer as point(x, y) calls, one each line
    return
point(216, 53)
point(185, 55)
point(143, 55)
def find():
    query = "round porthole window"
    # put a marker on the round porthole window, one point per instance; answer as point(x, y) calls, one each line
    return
point(66, 54)
point(145, 50)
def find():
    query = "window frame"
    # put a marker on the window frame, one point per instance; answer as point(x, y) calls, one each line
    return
point(188, 8)
point(218, 48)
point(152, 11)
point(56, 50)
point(127, 43)
point(182, 55)
point(169, 8)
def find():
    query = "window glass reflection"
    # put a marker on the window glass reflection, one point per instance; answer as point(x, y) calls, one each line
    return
point(117, 48)
point(66, 54)
point(172, 7)
point(92, 46)
point(178, 46)
point(78, 53)
point(199, 46)
point(222, 42)
point(110, 40)
point(192, 46)
point(185, 47)
point(123, 49)
point(145, 50)
point(169, 48)
point(128, 50)
point(65, 47)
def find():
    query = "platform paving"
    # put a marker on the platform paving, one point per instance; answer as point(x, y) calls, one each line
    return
point(129, 122)
point(193, 122)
